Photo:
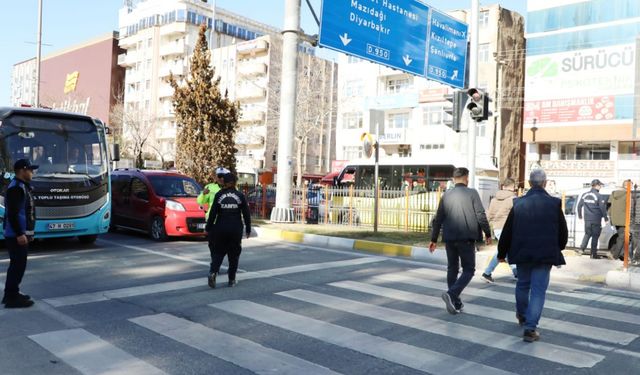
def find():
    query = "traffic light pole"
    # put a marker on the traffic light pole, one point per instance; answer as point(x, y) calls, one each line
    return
point(473, 82)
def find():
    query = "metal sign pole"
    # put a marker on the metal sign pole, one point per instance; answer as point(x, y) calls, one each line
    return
point(376, 183)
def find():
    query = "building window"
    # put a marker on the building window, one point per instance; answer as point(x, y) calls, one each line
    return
point(149, 42)
point(483, 53)
point(352, 152)
point(428, 147)
point(148, 85)
point(585, 151)
point(397, 85)
point(352, 120)
point(544, 150)
point(433, 115)
point(353, 88)
point(629, 150)
point(484, 19)
point(404, 152)
point(398, 120)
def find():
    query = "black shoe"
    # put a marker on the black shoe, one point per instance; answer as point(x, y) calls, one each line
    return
point(451, 308)
point(18, 303)
point(25, 297)
point(459, 307)
point(211, 280)
point(488, 278)
point(232, 283)
point(530, 335)
point(521, 319)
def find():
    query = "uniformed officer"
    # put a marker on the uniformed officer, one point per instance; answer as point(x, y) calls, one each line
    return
point(225, 228)
point(19, 224)
point(595, 209)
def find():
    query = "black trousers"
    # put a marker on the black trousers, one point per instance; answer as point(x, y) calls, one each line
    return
point(460, 253)
point(618, 249)
point(592, 231)
point(229, 244)
point(17, 267)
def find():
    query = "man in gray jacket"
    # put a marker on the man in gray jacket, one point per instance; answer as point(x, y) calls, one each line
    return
point(595, 208)
point(462, 219)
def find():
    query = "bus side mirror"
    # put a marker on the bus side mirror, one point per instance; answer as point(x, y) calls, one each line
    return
point(115, 152)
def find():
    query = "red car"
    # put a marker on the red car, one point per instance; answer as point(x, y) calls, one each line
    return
point(160, 203)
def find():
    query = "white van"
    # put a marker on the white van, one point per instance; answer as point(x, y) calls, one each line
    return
point(576, 226)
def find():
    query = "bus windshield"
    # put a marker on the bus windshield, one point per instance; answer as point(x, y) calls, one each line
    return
point(415, 177)
point(62, 147)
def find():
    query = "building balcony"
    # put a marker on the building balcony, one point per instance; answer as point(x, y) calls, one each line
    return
point(173, 29)
point(173, 49)
point(252, 69)
point(177, 70)
point(165, 91)
point(126, 59)
point(252, 47)
point(249, 138)
point(251, 93)
point(166, 133)
point(250, 117)
point(166, 113)
point(128, 42)
point(248, 162)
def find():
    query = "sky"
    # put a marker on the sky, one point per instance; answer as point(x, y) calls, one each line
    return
point(69, 22)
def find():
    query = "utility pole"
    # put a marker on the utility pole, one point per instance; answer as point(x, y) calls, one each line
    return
point(473, 83)
point(283, 212)
point(38, 55)
point(212, 32)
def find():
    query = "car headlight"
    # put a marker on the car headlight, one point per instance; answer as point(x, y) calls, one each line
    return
point(174, 206)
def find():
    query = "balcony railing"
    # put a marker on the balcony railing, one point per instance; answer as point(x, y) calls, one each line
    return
point(252, 47)
point(173, 49)
point(251, 117)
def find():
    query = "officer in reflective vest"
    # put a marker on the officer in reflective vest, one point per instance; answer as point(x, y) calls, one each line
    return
point(19, 224)
point(225, 228)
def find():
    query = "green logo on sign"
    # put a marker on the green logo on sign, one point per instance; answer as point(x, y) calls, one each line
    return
point(544, 67)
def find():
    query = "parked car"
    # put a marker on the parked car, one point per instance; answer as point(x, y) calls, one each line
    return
point(160, 203)
point(576, 226)
point(255, 201)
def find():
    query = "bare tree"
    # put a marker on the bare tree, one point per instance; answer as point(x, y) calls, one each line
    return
point(132, 129)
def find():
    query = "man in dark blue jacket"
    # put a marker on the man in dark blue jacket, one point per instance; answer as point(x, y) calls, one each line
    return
point(19, 223)
point(533, 239)
point(595, 208)
point(462, 218)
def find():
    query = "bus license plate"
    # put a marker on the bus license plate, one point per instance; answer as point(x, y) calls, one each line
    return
point(61, 226)
point(202, 225)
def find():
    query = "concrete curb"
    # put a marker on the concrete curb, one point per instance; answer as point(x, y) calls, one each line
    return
point(629, 280)
point(380, 248)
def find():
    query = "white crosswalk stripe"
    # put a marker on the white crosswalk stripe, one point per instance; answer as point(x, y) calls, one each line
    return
point(581, 330)
point(510, 343)
point(400, 353)
point(91, 355)
point(239, 351)
point(425, 280)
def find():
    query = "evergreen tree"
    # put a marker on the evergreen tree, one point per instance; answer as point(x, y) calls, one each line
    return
point(207, 119)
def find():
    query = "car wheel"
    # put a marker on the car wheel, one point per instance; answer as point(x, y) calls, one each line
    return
point(158, 232)
point(88, 239)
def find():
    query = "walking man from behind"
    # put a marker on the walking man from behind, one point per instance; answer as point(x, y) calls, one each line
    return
point(595, 209)
point(533, 238)
point(19, 223)
point(462, 219)
point(617, 213)
point(498, 211)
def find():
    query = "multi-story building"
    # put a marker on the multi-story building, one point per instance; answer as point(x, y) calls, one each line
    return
point(159, 37)
point(84, 78)
point(579, 102)
point(23, 83)
point(251, 73)
point(409, 114)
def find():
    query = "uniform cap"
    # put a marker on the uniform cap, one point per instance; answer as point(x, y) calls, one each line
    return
point(221, 170)
point(24, 164)
point(596, 182)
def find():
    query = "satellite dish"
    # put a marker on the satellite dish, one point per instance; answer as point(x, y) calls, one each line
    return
point(367, 144)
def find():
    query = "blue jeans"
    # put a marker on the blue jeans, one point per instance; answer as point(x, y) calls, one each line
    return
point(493, 263)
point(531, 288)
point(462, 252)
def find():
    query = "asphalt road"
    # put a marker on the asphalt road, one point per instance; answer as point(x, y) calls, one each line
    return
point(127, 305)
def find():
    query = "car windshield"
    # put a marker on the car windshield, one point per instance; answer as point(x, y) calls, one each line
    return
point(175, 186)
point(62, 147)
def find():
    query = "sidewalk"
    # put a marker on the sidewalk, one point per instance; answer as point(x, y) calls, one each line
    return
point(578, 268)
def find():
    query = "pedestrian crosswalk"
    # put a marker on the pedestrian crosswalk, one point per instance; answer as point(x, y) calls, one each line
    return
point(360, 313)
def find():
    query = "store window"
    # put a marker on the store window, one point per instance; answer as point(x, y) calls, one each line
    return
point(585, 151)
point(629, 150)
point(544, 149)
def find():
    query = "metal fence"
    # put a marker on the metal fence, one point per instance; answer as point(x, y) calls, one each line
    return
point(408, 210)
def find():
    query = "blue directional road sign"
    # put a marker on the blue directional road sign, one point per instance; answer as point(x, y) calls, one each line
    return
point(388, 32)
point(447, 55)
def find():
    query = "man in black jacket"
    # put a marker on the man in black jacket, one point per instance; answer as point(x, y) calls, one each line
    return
point(462, 218)
point(19, 223)
point(533, 239)
point(224, 227)
point(595, 208)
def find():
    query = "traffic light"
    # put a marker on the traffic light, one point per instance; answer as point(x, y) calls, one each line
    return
point(458, 100)
point(478, 105)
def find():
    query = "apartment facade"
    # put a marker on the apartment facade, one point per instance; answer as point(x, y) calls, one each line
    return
point(408, 112)
point(579, 105)
point(251, 74)
point(159, 37)
point(84, 78)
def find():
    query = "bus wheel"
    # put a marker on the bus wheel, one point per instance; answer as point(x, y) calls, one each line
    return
point(88, 239)
point(158, 233)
